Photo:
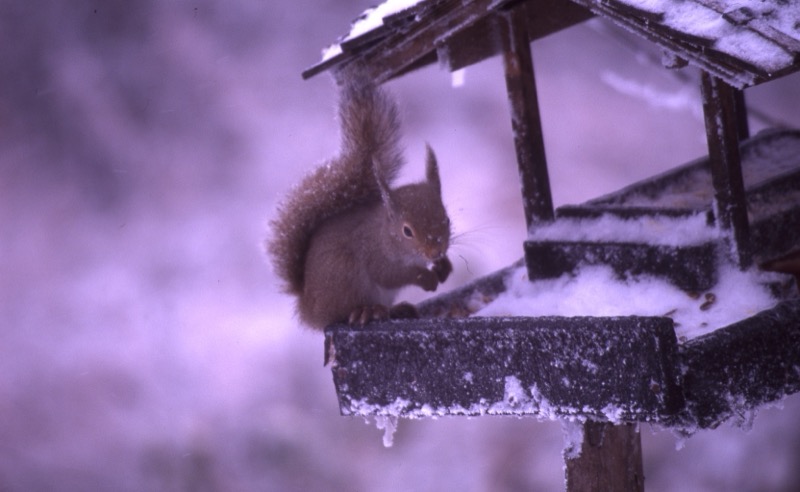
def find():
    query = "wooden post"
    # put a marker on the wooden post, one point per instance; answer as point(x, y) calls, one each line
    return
point(525, 119)
point(612, 456)
point(723, 131)
point(742, 126)
point(610, 459)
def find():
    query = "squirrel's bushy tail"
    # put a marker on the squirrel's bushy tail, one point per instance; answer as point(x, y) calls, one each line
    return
point(370, 127)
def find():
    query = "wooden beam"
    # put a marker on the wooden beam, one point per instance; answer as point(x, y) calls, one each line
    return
point(414, 46)
point(692, 268)
point(461, 48)
point(722, 132)
point(621, 368)
point(742, 125)
point(734, 370)
point(525, 119)
point(610, 458)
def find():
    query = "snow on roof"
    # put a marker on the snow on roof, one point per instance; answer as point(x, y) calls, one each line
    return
point(743, 41)
point(367, 22)
point(373, 18)
point(732, 26)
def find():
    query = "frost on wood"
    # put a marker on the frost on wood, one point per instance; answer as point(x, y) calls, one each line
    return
point(730, 373)
point(611, 369)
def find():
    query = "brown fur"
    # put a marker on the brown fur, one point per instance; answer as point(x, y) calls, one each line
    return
point(339, 241)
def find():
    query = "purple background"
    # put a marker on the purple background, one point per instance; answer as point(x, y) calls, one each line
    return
point(144, 344)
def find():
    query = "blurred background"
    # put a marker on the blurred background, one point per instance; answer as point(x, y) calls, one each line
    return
point(144, 342)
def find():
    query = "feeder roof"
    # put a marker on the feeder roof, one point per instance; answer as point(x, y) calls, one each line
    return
point(744, 42)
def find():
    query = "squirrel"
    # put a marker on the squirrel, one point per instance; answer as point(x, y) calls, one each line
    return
point(344, 241)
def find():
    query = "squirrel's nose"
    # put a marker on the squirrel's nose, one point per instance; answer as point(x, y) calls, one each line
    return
point(436, 253)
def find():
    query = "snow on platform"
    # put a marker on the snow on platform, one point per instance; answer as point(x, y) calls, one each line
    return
point(615, 369)
point(508, 366)
point(598, 291)
point(596, 341)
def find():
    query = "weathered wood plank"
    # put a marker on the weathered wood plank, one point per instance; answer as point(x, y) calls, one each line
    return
point(722, 134)
point(610, 459)
point(407, 47)
point(464, 47)
point(734, 370)
point(692, 268)
point(525, 119)
point(699, 51)
point(619, 369)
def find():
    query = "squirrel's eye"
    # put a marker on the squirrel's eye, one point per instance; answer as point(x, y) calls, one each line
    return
point(408, 232)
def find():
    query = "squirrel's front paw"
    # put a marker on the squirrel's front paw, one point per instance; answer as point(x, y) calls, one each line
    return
point(428, 280)
point(366, 314)
point(442, 268)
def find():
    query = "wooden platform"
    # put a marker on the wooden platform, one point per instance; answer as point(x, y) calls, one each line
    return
point(621, 369)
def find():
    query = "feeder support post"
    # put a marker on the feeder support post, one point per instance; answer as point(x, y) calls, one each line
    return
point(610, 459)
point(723, 131)
point(525, 120)
point(742, 125)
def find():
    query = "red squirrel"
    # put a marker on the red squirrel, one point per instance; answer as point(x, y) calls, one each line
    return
point(345, 241)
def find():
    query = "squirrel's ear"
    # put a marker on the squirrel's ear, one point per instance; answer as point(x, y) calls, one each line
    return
point(432, 171)
point(383, 186)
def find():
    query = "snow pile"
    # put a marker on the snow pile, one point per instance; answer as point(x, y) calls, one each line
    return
point(598, 291)
point(658, 230)
point(331, 51)
point(373, 18)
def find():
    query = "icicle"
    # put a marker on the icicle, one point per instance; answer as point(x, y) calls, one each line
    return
point(387, 423)
point(573, 438)
point(457, 78)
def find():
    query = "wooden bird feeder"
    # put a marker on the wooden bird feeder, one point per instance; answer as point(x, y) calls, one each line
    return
point(605, 372)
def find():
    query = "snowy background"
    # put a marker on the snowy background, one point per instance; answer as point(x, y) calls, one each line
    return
point(143, 342)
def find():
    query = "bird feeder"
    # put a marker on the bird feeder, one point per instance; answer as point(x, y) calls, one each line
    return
point(606, 373)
